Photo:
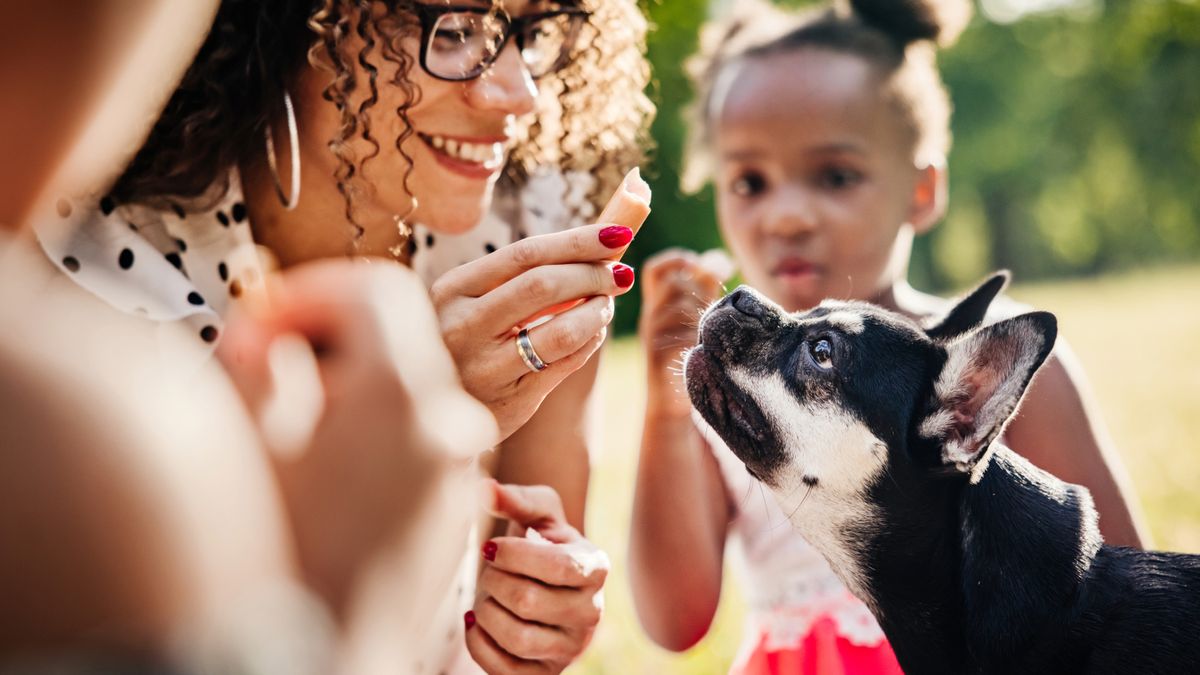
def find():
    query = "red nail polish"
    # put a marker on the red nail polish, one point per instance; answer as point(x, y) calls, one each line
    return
point(623, 275)
point(469, 619)
point(489, 550)
point(616, 236)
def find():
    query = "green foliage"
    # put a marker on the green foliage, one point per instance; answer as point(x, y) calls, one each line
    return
point(677, 219)
point(1077, 144)
point(1073, 141)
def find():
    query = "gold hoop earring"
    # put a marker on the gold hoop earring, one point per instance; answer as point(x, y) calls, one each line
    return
point(289, 201)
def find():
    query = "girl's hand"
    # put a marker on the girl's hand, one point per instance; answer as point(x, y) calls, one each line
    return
point(539, 598)
point(481, 303)
point(677, 285)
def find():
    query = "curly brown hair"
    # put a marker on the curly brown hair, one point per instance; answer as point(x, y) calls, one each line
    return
point(592, 116)
point(899, 36)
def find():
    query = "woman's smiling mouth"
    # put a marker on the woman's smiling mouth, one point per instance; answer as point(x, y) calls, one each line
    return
point(478, 158)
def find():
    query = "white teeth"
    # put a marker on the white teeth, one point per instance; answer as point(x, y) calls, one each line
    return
point(488, 154)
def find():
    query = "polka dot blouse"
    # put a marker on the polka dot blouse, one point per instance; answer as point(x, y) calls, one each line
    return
point(176, 265)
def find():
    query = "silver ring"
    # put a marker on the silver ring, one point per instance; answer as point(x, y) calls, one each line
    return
point(525, 349)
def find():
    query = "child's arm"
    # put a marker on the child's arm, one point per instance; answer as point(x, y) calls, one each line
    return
point(680, 510)
point(1059, 429)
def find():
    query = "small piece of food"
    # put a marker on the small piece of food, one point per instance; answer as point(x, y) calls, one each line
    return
point(629, 206)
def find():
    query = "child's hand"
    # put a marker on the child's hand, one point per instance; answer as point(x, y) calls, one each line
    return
point(676, 286)
point(385, 420)
point(539, 598)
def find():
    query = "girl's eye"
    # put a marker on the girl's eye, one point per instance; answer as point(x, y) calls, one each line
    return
point(748, 184)
point(837, 178)
point(821, 352)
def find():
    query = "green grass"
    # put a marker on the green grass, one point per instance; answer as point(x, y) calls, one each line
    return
point(1138, 337)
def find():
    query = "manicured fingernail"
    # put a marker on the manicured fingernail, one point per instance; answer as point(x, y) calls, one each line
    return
point(623, 275)
point(616, 236)
point(469, 619)
point(489, 550)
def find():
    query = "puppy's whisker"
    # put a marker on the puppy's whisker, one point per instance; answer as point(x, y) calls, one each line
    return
point(802, 500)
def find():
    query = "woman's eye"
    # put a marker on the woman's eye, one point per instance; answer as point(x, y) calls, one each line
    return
point(455, 36)
point(748, 184)
point(837, 178)
point(822, 352)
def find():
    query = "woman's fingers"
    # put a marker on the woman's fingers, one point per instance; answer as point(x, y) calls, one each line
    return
point(492, 658)
point(536, 602)
point(523, 639)
point(567, 333)
point(575, 565)
point(549, 285)
point(581, 244)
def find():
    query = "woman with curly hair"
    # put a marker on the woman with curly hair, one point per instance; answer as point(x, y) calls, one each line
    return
point(381, 129)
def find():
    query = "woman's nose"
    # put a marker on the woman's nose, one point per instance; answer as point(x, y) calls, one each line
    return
point(506, 86)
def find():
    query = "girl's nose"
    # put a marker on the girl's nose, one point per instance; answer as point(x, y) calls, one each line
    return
point(506, 86)
point(793, 213)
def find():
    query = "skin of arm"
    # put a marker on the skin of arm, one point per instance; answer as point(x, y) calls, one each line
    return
point(554, 447)
point(677, 541)
point(1059, 428)
point(681, 511)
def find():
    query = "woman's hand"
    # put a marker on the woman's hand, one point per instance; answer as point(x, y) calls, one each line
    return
point(479, 305)
point(539, 598)
point(676, 287)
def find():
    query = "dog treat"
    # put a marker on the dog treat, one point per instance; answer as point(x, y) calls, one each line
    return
point(629, 206)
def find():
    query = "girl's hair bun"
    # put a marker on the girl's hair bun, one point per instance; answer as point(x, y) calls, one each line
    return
point(908, 21)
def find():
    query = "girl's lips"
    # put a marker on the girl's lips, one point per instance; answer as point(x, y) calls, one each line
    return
point(794, 268)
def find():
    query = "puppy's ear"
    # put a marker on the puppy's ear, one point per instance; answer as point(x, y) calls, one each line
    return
point(984, 377)
point(970, 311)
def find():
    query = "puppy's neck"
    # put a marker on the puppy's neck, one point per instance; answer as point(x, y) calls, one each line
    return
point(989, 574)
point(1028, 540)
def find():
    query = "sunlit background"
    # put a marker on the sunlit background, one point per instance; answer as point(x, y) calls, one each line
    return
point(1076, 164)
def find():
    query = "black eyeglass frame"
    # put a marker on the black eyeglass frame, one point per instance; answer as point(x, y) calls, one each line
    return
point(512, 28)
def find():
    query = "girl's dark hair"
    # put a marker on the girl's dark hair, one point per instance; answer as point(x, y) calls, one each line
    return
point(900, 37)
point(591, 116)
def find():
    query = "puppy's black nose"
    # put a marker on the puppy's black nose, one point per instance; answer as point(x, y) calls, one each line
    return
point(745, 302)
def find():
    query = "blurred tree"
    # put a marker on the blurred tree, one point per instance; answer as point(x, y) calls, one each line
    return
point(1077, 142)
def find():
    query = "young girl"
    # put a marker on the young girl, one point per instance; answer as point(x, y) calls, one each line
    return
point(825, 134)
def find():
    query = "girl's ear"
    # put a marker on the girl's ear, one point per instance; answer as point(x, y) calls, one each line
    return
point(929, 197)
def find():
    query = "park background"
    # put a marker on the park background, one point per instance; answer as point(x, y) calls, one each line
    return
point(1076, 164)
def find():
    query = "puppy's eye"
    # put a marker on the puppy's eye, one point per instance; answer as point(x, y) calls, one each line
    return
point(822, 352)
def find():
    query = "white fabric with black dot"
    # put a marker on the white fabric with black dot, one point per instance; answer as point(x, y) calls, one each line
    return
point(170, 265)
point(165, 265)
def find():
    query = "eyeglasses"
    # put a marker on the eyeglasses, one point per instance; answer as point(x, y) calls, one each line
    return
point(460, 42)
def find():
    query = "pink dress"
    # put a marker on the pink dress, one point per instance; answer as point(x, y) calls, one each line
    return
point(801, 620)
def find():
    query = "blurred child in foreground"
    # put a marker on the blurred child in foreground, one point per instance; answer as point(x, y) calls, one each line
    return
point(143, 529)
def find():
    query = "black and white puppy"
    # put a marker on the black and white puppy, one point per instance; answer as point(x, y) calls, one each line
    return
point(878, 438)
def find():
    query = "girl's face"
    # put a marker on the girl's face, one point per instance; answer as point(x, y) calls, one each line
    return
point(461, 135)
point(818, 195)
